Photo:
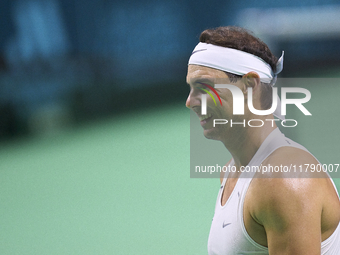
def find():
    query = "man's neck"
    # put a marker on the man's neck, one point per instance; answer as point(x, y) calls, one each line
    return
point(244, 142)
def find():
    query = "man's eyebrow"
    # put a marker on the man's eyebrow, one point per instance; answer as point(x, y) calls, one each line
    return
point(201, 80)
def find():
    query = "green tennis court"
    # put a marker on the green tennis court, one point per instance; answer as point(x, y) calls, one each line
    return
point(120, 186)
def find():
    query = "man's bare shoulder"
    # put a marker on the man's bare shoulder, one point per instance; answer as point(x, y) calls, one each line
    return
point(282, 191)
point(279, 199)
point(293, 176)
point(290, 154)
point(287, 208)
point(293, 162)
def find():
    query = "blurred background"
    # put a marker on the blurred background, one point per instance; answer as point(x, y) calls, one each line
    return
point(94, 135)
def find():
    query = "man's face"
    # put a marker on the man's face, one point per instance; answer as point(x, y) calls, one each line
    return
point(201, 74)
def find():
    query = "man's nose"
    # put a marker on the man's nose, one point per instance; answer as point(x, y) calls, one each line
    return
point(187, 103)
point(193, 100)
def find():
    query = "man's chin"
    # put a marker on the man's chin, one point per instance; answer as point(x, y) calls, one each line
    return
point(211, 134)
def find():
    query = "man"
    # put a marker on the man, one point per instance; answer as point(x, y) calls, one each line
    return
point(279, 213)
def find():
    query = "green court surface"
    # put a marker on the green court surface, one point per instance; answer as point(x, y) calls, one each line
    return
point(119, 186)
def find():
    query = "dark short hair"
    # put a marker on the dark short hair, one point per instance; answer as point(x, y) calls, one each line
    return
point(242, 39)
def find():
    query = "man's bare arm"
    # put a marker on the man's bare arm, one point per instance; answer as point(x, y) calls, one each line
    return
point(290, 209)
point(290, 213)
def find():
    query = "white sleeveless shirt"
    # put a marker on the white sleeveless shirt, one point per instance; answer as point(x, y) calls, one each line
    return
point(228, 235)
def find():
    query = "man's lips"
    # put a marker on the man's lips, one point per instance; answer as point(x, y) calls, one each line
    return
point(204, 118)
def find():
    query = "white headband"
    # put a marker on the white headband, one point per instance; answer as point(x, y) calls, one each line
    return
point(233, 61)
point(236, 62)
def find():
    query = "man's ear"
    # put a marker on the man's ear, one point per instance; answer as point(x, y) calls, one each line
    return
point(251, 79)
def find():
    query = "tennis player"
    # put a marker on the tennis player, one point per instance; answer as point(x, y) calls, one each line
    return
point(273, 213)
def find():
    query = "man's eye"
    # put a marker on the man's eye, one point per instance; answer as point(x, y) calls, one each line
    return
point(205, 90)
